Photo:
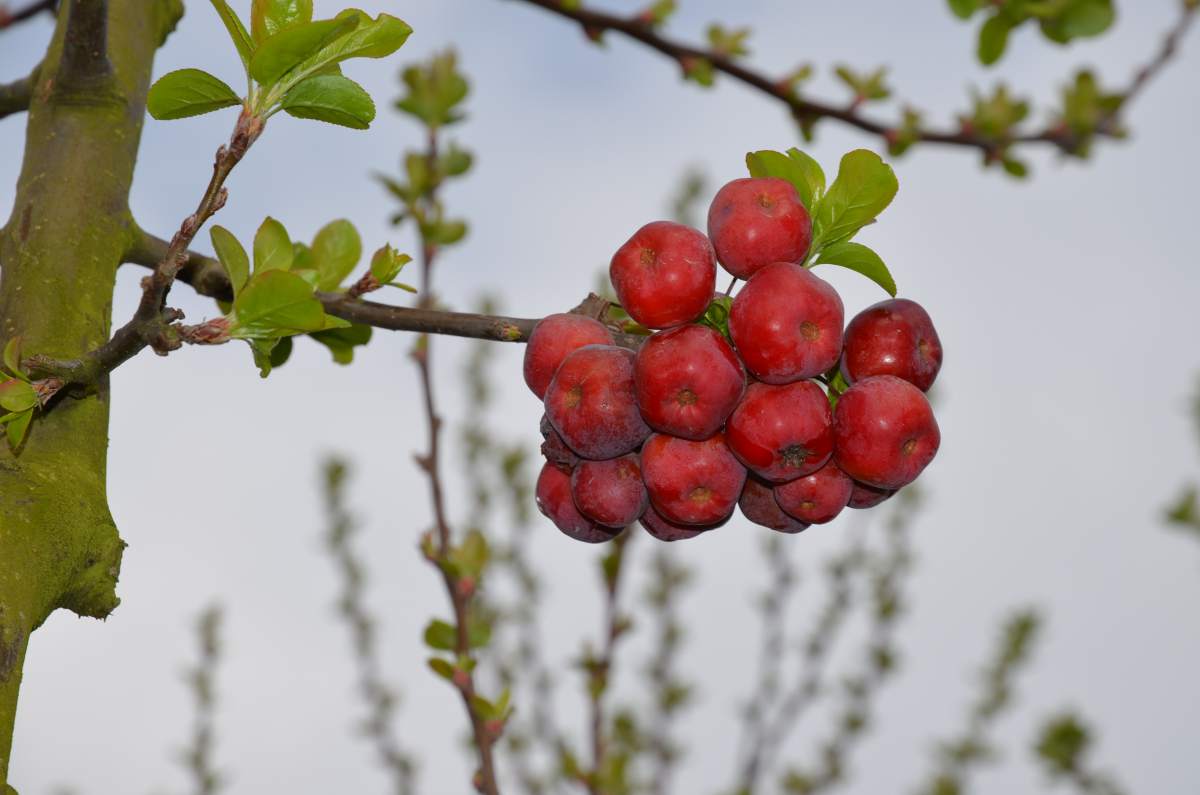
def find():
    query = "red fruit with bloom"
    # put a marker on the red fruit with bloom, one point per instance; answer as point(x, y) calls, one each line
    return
point(552, 340)
point(692, 482)
point(665, 530)
point(864, 496)
point(756, 221)
point(610, 492)
point(759, 506)
point(590, 403)
point(786, 324)
point(687, 381)
point(664, 275)
point(782, 432)
point(554, 449)
point(553, 494)
point(884, 432)
point(893, 337)
point(816, 498)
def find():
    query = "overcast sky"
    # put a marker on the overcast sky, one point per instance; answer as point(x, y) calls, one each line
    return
point(1066, 306)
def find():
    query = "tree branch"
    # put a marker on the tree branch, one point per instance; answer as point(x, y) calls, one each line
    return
point(16, 96)
point(10, 18)
point(85, 45)
point(804, 108)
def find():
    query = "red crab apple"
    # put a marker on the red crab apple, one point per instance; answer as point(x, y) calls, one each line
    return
point(610, 492)
point(787, 324)
point(692, 482)
point(759, 506)
point(864, 496)
point(893, 337)
point(552, 340)
point(554, 501)
point(782, 432)
point(664, 275)
point(554, 448)
point(884, 432)
point(816, 498)
point(687, 380)
point(754, 222)
point(665, 530)
point(590, 403)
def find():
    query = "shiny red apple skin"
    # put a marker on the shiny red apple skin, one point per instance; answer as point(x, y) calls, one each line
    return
point(894, 337)
point(755, 221)
point(664, 275)
point(552, 340)
point(692, 482)
point(610, 492)
point(884, 432)
point(591, 403)
point(664, 529)
point(554, 500)
point(759, 506)
point(782, 432)
point(786, 324)
point(687, 381)
point(817, 498)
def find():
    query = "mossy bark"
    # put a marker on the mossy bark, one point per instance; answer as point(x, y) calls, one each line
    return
point(59, 254)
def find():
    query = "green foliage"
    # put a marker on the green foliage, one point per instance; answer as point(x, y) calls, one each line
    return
point(18, 397)
point(1086, 110)
point(860, 259)
point(717, 315)
point(658, 13)
point(699, 70)
point(1061, 21)
point(1062, 744)
point(189, 92)
point(868, 86)
point(728, 43)
point(435, 89)
point(796, 167)
point(291, 63)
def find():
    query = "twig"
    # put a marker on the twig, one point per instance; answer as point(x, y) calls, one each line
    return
point(378, 696)
point(805, 108)
point(10, 18)
point(671, 693)
point(16, 96)
point(151, 323)
point(460, 597)
point(198, 757)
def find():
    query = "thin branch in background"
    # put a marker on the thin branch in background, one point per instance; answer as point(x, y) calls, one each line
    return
point(10, 16)
point(808, 110)
point(971, 748)
point(671, 694)
point(1063, 747)
point(201, 679)
point(886, 571)
point(16, 96)
point(378, 697)
point(779, 585)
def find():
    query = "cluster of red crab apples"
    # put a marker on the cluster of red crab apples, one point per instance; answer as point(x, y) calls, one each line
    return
point(695, 423)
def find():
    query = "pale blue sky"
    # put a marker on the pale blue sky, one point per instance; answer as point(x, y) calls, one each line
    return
point(1066, 306)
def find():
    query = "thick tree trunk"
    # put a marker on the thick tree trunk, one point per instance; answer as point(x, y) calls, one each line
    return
point(58, 258)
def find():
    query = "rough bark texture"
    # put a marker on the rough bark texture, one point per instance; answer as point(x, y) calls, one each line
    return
point(59, 253)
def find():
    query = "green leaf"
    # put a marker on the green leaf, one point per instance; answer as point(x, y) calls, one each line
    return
point(188, 92)
point(237, 32)
point(233, 257)
point(17, 396)
point(796, 167)
point(386, 264)
point(269, 17)
point(864, 187)
point(17, 427)
point(441, 667)
point(440, 635)
point(479, 632)
point(272, 247)
point(434, 90)
point(445, 233)
point(275, 303)
point(858, 257)
point(993, 38)
point(1081, 19)
point(336, 249)
point(330, 98)
point(341, 342)
point(262, 350)
point(473, 554)
point(12, 357)
point(483, 708)
point(371, 38)
point(287, 49)
point(963, 9)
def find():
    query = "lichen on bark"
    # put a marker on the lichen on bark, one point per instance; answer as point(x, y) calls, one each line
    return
point(59, 252)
